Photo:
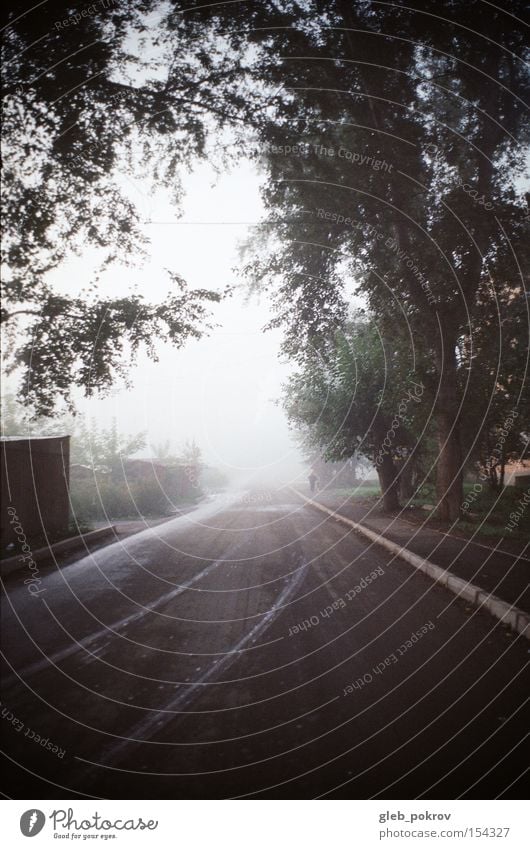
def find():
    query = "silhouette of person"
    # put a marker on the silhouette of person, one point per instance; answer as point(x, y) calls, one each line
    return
point(313, 480)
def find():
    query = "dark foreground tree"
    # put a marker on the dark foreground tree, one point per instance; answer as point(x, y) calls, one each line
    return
point(93, 98)
point(396, 167)
point(89, 342)
point(496, 356)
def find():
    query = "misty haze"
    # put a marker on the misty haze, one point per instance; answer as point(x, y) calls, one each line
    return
point(265, 408)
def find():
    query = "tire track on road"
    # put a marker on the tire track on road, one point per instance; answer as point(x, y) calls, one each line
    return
point(184, 698)
point(114, 628)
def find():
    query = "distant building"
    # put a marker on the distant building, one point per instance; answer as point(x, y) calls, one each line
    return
point(517, 474)
point(177, 480)
point(84, 473)
point(35, 480)
point(81, 472)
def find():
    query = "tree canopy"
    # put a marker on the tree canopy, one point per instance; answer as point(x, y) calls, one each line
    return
point(392, 139)
point(396, 170)
point(91, 98)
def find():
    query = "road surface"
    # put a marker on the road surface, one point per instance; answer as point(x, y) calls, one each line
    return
point(256, 649)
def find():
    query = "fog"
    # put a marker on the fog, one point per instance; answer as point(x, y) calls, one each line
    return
point(222, 390)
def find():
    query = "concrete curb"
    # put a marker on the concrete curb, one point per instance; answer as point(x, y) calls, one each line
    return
point(516, 618)
point(11, 564)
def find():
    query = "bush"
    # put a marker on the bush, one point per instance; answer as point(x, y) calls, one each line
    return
point(212, 479)
point(496, 507)
point(150, 498)
point(107, 499)
point(101, 501)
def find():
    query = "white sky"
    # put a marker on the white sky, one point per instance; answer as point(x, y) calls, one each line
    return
point(219, 390)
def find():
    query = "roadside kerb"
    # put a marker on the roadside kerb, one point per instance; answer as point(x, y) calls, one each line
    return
point(516, 618)
point(11, 564)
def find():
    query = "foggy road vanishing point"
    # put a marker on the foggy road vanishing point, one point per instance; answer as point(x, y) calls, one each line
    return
point(256, 649)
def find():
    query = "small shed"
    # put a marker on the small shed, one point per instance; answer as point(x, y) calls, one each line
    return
point(517, 474)
point(35, 479)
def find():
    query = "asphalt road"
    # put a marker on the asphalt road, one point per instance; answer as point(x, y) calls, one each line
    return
point(240, 651)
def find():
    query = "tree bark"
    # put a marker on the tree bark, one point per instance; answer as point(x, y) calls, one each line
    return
point(389, 483)
point(449, 476)
point(502, 473)
point(387, 472)
point(406, 474)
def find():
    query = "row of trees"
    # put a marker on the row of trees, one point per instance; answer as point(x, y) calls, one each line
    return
point(362, 396)
point(407, 189)
point(392, 139)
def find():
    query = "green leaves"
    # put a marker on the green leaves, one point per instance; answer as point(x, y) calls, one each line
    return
point(90, 343)
point(88, 99)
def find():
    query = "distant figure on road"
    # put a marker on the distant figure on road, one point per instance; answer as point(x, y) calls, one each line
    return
point(313, 481)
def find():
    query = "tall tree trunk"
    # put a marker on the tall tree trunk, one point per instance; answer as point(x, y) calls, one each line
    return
point(449, 475)
point(386, 468)
point(406, 473)
point(389, 482)
point(502, 472)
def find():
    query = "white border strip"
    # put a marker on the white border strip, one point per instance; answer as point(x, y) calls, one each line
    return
point(64, 546)
point(513, 616)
